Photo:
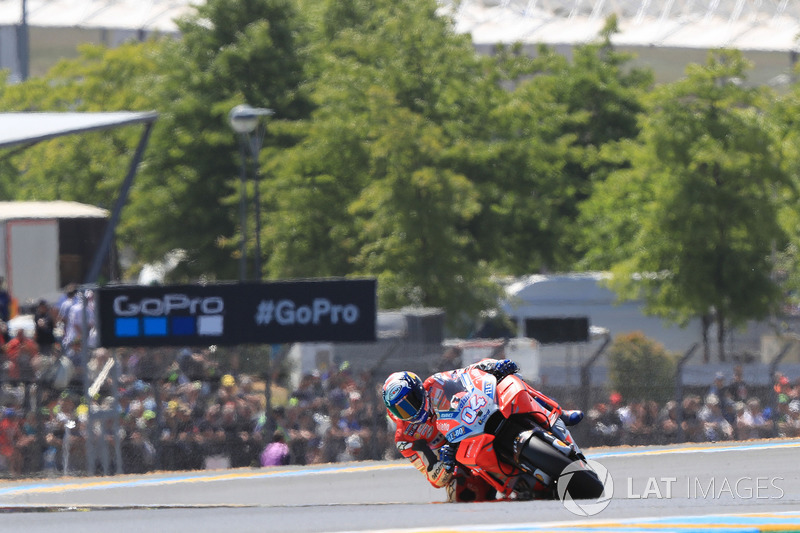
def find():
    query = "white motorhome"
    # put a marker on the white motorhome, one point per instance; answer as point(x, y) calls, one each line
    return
point(584, 295)
point(46, 245)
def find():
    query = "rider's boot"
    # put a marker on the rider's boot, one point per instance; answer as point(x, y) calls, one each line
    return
point(570, 418)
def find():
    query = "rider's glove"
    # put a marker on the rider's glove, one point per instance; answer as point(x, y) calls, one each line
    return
point(505, 367)
point(447, 455)
point(499, 369)
point(570, 418)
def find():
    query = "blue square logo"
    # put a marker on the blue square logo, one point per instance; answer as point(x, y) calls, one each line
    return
point(126, 327)
point(155, 327)
point(184, 325)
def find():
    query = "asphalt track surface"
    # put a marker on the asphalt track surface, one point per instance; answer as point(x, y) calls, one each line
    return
point(750, 486)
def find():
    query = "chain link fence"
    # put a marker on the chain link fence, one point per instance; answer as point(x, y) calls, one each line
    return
point(204, 408)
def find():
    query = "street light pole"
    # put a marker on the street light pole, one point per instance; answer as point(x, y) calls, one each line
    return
point(24, 44)
point(256, 138)
point(245, 121)
point(243, 213)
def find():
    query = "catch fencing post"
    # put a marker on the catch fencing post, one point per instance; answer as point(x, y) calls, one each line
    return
point(773, 368)
point(586, 378)
point(679, 388)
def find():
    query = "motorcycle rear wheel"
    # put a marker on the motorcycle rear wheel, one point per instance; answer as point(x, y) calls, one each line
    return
point(583, 484)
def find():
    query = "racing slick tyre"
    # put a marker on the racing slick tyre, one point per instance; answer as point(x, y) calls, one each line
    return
point(583, 483)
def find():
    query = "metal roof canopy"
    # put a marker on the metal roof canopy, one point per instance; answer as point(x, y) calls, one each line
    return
point(31, 128)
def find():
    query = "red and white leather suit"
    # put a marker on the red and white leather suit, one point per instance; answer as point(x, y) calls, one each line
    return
point(420, 444)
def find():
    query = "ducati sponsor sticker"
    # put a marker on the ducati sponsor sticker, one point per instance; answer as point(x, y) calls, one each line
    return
point(437, 396)
point(488, 389)
point(457, 433)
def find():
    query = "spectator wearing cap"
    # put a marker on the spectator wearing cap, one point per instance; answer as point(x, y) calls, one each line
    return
point(74, 328)
point(718, 386)
point(750, 421)
point(782, 384)
point(353, 446)
point(715, 426)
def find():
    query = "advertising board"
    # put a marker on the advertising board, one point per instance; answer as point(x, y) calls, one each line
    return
point(330, 310)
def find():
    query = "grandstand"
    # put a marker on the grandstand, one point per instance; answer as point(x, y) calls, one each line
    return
point(665, 34)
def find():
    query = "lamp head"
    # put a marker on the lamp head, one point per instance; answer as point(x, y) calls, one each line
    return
point(244, 119)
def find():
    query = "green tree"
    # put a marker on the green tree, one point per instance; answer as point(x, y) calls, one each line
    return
point(696, 214)
point(371, 189)
point(186, 192)
point(641, 369)
point(88, 167)
point(784, 111)
point(187, 195)
point(541, 154)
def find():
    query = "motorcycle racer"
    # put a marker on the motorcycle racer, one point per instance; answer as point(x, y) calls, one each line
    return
point(412, 404)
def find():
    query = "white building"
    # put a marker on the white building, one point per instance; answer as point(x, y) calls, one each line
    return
point(664, 35)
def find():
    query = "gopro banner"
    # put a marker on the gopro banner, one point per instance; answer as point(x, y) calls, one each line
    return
point(309, 311)
point(229, 314)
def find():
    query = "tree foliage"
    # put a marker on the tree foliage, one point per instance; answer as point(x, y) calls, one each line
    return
point(371, 189)
point(188, 195)
point(696, 213)
point(88, 167)
point(641, 369)
point(397, 151)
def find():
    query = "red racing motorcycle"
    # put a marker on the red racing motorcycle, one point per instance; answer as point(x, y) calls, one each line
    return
point(509, 434)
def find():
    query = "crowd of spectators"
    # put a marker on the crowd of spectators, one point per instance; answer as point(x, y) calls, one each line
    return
point(183, 409)
point(725, 411)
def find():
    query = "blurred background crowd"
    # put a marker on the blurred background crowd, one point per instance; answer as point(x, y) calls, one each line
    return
point(183, 409)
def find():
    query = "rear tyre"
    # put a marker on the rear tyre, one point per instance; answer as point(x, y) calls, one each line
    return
point(583, 484)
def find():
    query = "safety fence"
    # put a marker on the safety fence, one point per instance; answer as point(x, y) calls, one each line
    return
point(142, 410)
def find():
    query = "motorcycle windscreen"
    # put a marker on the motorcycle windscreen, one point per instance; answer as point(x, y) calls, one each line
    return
point(464, 406)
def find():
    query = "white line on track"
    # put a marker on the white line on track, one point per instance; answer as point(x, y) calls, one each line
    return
point(69, 485)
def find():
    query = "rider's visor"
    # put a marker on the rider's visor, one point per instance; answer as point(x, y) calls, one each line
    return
point(407, 408)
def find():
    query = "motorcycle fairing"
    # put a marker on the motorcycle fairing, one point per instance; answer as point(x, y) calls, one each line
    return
point(515, 396)
point(471, 400)
point(478, 455)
